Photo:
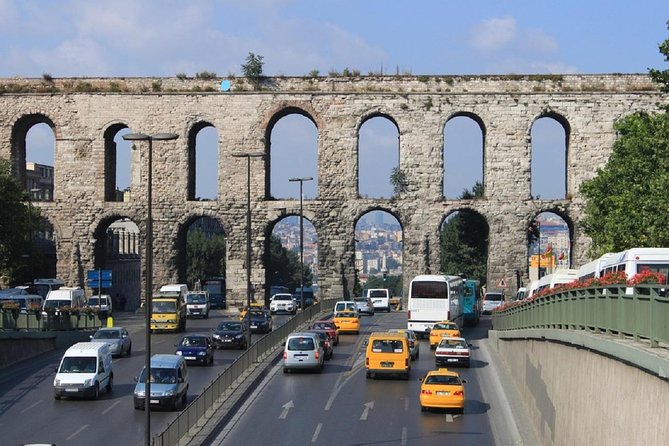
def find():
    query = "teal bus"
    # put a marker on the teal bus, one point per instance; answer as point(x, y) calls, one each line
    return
point(472, 302)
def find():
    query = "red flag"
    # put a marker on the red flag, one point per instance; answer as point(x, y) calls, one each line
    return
point(561, 257)
point(549, 249)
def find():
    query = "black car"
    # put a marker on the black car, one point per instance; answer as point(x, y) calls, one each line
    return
point(261, 321)
point(231, 333)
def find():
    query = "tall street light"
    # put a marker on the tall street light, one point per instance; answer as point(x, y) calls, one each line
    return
point(148, 289)
point(249, 289)
point(301, 180)
point(32, 237)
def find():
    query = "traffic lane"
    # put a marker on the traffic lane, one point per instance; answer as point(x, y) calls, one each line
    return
point(98, 420)
point(357, 410)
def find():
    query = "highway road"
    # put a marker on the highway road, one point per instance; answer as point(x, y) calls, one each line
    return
point(341, 407)
point(29, 413)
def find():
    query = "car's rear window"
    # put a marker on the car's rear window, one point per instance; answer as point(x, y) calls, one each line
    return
point(452, 343)
point(495, 297)
point(440, 379)
point(439, 326)
point(387, 346)
point(301, 344)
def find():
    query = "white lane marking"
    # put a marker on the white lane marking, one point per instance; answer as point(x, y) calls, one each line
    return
point(31, 406)
point(404, 435)
point(316, 432)
point(110, 407)
point(406, 404)
point(365, 412)
point(449, 418)
point(286, 408)
point(77, 432)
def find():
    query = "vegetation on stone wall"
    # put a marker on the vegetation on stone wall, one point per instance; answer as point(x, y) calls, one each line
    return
point(283, 266)
point(17, 224)
point(464, 241)
point(627, 202)
point(252, 69)
point(206, 255)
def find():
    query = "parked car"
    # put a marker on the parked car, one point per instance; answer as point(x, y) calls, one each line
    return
point(117, 338)
point(414, 345)
point(329, 327)
point(442, 389)
point(169, 383)
point(364, 305)
point(452, 351)
point(328, 350)
point(261, 321)
point(282, 302)
point(303, 351)
point(196, 348)
point(230, 333)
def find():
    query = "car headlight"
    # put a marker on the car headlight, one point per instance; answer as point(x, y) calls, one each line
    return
point(217, 336)
point(88, 383)
point(179, 352)
point(239, 336)
point(169, 393)
point(201, 353)
point(56, 382)
point(139, 393)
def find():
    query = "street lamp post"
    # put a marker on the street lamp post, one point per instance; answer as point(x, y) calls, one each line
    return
point(32, 237)
point(148, 289)
point(249, 290)
point(301, 180)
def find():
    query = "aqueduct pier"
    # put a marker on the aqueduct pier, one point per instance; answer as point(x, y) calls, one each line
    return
point(85, 113)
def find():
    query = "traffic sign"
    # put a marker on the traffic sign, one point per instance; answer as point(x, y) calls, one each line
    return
point(99, 284)
point(98, 274)
point(501, 283)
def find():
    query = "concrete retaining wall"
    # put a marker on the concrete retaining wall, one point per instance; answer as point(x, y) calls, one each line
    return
point(577, 393)
point(18, 346)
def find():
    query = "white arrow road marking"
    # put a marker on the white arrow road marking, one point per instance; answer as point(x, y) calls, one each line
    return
point(365, 412)
point(31, 406)
point(286, 407)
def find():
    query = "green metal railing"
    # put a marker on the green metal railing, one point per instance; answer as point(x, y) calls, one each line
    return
point(640, 312)
point(11, 320)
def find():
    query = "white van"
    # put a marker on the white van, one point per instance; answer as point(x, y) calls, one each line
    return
point(380, 298)
point(343, 305)
point(101, 303)
point(86, 368)
point(197, 304)
point(64, 297)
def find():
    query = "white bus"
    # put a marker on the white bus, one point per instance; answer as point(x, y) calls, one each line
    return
point(560, 276)
point(591, 269)
point(434, 298)
point(636, 260)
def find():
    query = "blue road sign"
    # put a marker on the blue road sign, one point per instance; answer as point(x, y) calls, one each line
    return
point(99, 284)
point(97, 274)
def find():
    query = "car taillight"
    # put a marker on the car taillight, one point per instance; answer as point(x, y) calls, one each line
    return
point(458, 393)
point(426, 392)
point(448, 314)
point(406, 362)
point(409, 314)
point(317, 355)
point(367, 362)
point(285, 355)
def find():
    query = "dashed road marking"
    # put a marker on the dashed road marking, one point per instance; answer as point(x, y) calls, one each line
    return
point(31, 406)
point(110, 407)
point(314, 438)
point(77, 432)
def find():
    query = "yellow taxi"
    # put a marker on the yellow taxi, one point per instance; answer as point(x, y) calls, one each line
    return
point(254, 306)
point(347, 321)
point(442, 389)
point(443, 328)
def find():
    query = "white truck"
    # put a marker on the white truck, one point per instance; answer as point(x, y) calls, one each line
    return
point(197, 304)
point(380, 298)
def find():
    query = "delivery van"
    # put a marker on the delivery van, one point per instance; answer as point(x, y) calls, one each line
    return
point(84, 370)
point(64, 297)
point(387, 353)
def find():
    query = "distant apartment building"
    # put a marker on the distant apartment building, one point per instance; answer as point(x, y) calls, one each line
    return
point(39, 181)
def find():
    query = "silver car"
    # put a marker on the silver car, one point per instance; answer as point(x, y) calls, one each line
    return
point(412, 339)
point(364, 305)
point(117, 338)
point(303, 351)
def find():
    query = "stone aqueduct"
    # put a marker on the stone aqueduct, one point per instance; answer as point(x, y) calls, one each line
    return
point(82, 112)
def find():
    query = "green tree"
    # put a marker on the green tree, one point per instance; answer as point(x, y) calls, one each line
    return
point(17, 225)
point(284, 266)
point(399, 181)
point(393, 283)
point(464, 241)
point(206, 255)
point(627, 202)
point(662, 76)
point(252, 69)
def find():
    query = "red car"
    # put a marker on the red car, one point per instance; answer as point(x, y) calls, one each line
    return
point(329, 327)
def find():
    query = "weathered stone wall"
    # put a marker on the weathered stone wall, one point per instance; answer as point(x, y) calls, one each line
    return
point(505, 105)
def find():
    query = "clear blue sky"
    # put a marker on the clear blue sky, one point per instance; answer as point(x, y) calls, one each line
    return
point(163, 37)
